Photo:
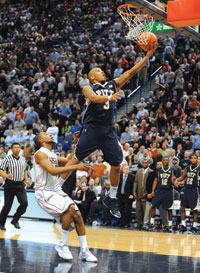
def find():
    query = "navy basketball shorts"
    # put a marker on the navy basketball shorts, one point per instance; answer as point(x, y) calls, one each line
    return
point(164, 197)
point(189, 198)
point(95, 137)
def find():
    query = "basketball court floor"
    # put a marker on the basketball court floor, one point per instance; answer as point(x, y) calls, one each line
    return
point(31, 250)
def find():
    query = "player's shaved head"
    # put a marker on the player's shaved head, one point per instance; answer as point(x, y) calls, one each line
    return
point(37, 139)
point(96, 75)
point(91, 74)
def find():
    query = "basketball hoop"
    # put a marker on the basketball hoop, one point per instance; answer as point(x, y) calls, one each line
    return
point(137, 23)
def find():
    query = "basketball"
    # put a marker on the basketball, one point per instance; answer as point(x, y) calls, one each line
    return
point(146, 40)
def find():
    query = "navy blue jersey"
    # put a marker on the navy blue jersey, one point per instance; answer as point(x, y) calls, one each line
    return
point(192, 177)
point(101, 113)
point(164, 178)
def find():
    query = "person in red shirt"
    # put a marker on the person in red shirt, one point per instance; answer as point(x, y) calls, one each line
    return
point(124, 62)
point(144, 126)
point(20, 112)
point(153, 150)
point(194, 102)
point(166, 66)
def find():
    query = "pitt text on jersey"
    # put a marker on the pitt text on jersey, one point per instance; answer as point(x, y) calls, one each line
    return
point(105, 92)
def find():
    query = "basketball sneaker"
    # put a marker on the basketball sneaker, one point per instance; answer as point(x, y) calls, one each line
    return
point(2, 227)
point(167, 229)
point(151, 227)
point(194, 230)
point(112, 205)
point(86, 255)
point(183, 229)
point(63, 251)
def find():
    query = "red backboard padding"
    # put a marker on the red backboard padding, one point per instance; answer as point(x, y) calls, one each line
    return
point(182, 13)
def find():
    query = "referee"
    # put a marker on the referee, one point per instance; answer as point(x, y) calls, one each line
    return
point(15, 166)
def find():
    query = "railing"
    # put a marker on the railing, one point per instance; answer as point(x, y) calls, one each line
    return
point(154, 73)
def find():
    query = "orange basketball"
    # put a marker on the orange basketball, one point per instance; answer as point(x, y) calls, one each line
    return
point(146, 40)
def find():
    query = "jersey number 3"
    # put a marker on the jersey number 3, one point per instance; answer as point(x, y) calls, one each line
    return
point(106, 105)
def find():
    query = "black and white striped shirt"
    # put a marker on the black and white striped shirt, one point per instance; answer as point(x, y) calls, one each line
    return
point(14, 166)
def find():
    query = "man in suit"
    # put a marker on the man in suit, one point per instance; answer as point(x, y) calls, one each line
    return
point(125, 196)
point(84, 200)
point(97, 206)
point(140, 191)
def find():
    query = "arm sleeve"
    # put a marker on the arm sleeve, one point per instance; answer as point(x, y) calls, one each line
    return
point(4, 164)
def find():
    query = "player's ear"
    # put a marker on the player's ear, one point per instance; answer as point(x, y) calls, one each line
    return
point(92, 78)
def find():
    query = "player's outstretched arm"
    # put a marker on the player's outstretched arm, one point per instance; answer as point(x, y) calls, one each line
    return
point(131, 72)
point(93, 97)
point(42, 159)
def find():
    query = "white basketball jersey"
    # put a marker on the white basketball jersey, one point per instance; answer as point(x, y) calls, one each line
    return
point(43, 179)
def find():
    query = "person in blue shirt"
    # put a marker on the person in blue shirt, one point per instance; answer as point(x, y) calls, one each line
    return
point(194, 125)
point(64, 112)
point(11, 138)
point(190, 193)
point(98, 131)
point(76, 127)
point(126, 135)
point(196, 145)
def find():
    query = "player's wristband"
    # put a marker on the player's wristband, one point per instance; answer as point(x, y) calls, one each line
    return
point(109, 98)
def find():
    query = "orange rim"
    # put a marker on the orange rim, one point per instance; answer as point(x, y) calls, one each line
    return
point(130, 14)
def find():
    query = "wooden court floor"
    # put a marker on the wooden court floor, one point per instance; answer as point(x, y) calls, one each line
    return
point(31, 249)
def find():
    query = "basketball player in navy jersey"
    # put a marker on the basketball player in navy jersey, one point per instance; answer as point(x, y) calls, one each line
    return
point(189, 197)
point(162, 192)
point(98, 131)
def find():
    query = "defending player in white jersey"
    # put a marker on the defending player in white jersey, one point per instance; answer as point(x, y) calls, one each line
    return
point(53, 200)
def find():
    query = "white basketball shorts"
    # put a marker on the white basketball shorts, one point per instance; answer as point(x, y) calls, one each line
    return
point(54, 203)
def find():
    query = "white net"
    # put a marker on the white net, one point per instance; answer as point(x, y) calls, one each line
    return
point(137, 23)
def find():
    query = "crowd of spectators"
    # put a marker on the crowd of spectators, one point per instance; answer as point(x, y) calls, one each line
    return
point(46, 51)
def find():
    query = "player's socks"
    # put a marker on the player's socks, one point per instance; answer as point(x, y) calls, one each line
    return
point(152, 221)
point(113, 192)
point(183, 223)
point(64, 234)
point(83, 241)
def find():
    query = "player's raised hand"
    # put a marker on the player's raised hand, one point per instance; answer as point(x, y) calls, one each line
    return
point(117, 96)
point(153, 48)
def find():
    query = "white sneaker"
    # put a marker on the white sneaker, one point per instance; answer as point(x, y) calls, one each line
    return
point(63, 251)
point(86, 255)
